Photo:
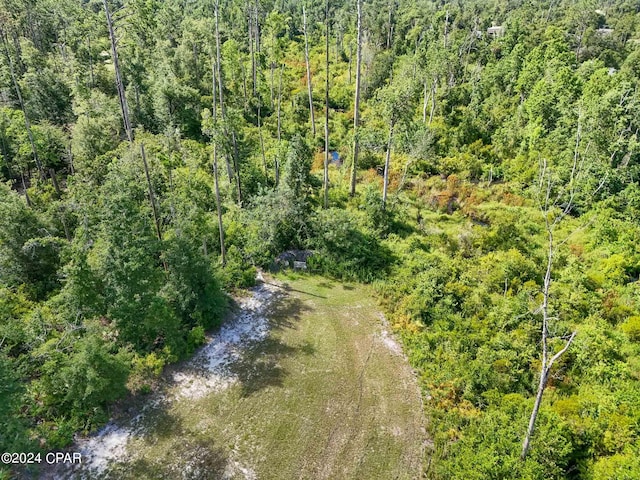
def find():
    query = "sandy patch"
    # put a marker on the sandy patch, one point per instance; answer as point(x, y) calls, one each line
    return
point(206, 373)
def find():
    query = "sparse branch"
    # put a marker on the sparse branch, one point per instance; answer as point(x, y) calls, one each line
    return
point(564, 349)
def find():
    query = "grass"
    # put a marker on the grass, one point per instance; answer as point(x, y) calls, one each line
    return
point(324, 396)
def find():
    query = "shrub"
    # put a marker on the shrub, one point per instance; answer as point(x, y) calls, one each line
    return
point(632, 328)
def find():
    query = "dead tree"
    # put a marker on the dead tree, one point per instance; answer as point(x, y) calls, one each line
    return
point(326, 109)
point(27, 124)
point(356, 112)
point(234, 141)
point(387, 162)
point(223, 253)
point(127, 122)
point(306, 59)
point(554, 210)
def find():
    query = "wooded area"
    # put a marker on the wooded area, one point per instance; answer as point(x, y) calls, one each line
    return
point(154, 154)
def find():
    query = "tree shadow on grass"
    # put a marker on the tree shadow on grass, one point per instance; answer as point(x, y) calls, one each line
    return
point(286, 311)
point(190, 458)
point(260, 366)
point(287, 288)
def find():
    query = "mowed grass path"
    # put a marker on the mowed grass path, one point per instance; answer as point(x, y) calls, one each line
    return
point(326, 395)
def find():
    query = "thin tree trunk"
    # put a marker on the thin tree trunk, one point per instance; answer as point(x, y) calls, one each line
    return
point(27, 124)
point(534, 414)
point(306, 59)
point(196, 63)
point(24, 187)
point(547, 363)
point(64, 224)
point(127, 123)
point(223, 252)
point(264, 158)
point(257, 24)
point(446, 30)
point(252, 52)
point(434, 86)
point(152, 197)
point(387, 162)
point(425, 103)
point(350, 62)
point(119, 85)
point(244, 86)
point(279, 102)
point(72, 169)
point(91, 74)
point(390, 27)
point(356, 113)
point(215, 167)
point(273, 66)
point(326, 108)
point(54, 180)
point(236, 165)
point(220, 90)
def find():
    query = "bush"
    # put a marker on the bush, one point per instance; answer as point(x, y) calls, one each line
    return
point(344, 251)
point(632, 328)
point(144, 371)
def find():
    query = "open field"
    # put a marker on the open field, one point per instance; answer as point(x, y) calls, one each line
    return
point(324, 393)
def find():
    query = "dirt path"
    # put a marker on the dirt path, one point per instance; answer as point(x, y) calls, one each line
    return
point(303, 382)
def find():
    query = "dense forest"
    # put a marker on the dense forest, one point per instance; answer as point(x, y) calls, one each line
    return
point(477, 162)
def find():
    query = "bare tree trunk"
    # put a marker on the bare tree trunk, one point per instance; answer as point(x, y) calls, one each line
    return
point(446, 30)
point(326, 109)
point(425, 103)
point(54, 180)
point(127, 123)
point(252, 52)
point(92, 80)
point(264, 157)
point(219, 79)
point(24, 187)
point(279, 107)
point(257, 24)
point(152, 198)
point(356, 113)
point(390, 25)
point(223, 252)
point(273, 66)
point(244, 86)
point(350, 62)
point(547, 363)
point(306, 59)
point(534, 414)
point(27, 124)
point(434, 86)
point(387, 162)
point(196, 62)
point(119, 85)
point(236, 166)
point(215, 167)
point(72, 169)
point(64, 223)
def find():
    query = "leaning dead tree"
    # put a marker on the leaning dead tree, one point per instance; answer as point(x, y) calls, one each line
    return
point(555, 204)
point(548, 357)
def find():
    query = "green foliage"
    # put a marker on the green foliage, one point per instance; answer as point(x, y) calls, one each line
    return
point(344, 251)
point(91, 294)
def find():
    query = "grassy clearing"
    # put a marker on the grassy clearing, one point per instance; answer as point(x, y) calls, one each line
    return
point(326, 395)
